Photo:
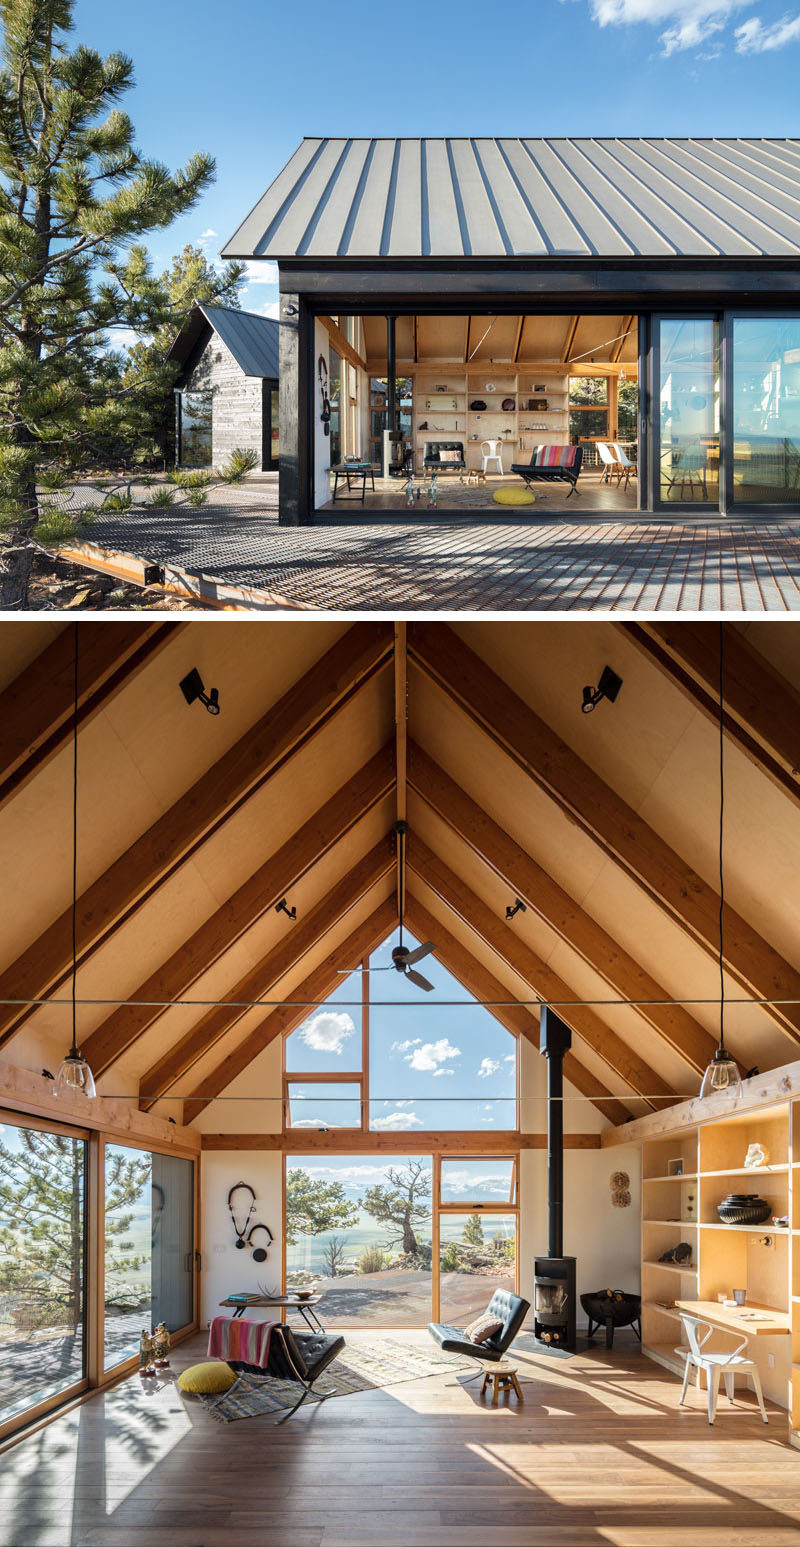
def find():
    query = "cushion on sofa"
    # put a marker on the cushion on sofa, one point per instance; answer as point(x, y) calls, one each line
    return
point(483, 1328)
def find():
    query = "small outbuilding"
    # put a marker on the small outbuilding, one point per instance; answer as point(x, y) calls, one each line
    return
point(227, 393)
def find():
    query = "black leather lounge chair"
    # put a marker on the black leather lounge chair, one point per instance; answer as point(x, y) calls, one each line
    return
point(297, 1356)
point(552, 464)
point(508, 1308)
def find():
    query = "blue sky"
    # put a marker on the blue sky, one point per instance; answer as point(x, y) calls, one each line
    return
point(432, 1065)
point(247, 82)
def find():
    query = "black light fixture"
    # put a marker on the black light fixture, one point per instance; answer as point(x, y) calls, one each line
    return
point(74, 1072)
point(723, 1071)
point(608, 687)
point(283, 907)
point(192, 689)
point(519, 907)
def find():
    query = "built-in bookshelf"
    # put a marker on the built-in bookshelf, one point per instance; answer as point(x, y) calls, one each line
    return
point(685, 1175)
point(442, 396)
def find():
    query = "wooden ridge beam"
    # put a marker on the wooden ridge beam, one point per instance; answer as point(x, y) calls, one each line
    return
point(517, 1018)
point(543, 980)
point(317, 987)
point(761, 709)
point(423, 1141)
point(137, 873)
point(37, 708)
point(614, 826)
point(300, 939)
point(543, 896)
point(262, 890)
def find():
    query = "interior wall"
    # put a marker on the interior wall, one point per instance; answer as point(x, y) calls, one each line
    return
point(226, 1269)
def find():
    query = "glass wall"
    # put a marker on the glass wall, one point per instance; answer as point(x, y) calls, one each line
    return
point(149, 1243)
point(194, 429)
point(688, 393)
point(359, 1229)
point(477, 1255)
point(765, 410)
point(42, 1266)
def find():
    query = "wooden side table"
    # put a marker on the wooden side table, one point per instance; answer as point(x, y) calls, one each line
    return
point(504, 1378)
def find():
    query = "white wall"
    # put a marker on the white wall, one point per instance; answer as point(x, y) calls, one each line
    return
point(224, 1267)
point(604, 1239)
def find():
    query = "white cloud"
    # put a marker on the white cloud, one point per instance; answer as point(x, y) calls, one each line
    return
point(488, 1066)
point(259, 272)
point(686, 23)
point(438, 1073)
point(510, 1058)
point(397, 1122)
point(328, 1031)
point(313, 1122)
point(206, 239)
point(429, 1055)
point(403, 1047)
point(273, 309)
point(754, 38)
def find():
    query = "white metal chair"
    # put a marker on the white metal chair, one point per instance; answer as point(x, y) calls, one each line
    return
point(610, 462)
point(491, 454)
point(729, 1365)
point(625, 467)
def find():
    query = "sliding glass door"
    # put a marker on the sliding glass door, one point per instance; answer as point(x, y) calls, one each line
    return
point(149, 1247)
point(42, 1267)
point(764, 397)
point(686, 416)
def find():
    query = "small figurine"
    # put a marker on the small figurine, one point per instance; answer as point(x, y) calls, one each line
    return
point(146, 1365)
point(160, 1345)
point(432, 494)
point(410, 494)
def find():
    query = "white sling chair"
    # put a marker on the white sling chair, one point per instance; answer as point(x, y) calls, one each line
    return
point(728, 1365)
point(611, 467)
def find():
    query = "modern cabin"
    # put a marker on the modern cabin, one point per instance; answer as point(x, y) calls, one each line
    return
point(470, 308)
point(226, 397)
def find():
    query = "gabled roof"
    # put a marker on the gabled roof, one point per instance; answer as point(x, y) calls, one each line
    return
point(251, 339)
point(540, 198)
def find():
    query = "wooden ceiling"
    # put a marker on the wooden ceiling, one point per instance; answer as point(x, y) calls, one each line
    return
point(574, 342)
point(192, 828)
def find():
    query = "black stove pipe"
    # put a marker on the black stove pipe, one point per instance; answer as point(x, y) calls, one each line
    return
point(555, 1038)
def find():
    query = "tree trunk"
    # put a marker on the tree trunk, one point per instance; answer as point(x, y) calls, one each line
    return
point(410, 1246)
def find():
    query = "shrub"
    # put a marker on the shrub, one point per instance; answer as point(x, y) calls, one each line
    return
point(117, 501)
point(196, 498)
point(61, 526)
point(241, 460)
point(160, 499)
point(449, 1262)
point(199, 479)
point(372, 1259)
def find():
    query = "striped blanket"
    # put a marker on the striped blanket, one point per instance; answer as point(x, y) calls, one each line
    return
point(235, 1339)
point(553, 456)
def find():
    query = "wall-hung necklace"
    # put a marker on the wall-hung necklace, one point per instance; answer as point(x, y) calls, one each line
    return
point(723, 1071)
point(74, 1072)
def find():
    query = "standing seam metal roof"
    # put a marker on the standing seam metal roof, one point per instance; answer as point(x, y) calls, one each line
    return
point(252, 340)
point(537, 198)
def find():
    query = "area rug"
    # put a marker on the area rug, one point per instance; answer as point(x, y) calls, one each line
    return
point(362, 1367)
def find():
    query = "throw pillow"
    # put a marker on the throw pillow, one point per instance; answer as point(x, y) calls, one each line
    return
point(484, 1328)
point(209, 1379)
point(449, 456)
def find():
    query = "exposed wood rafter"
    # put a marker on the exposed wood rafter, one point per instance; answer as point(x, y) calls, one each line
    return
point(569, 339)
point(301, 938)
point(542, 895)
point(544, 982)
point(342, 345)
point(133, 877)
point(271, 881)
point(607, 819)
point(356, 1142)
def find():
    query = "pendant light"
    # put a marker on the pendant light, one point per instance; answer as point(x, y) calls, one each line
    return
point(74, 1072)
point(722, 1073)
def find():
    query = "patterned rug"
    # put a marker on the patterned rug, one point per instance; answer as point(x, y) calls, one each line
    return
point(362, 1367)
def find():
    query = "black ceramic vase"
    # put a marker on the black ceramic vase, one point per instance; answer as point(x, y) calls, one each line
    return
point(743, 1208)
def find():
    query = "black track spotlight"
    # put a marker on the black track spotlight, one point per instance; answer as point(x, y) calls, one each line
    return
point(519, 907)
point(283, 907)
point(192, 689)
point(608, 687)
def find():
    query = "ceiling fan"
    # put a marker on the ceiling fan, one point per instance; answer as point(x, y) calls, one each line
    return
point(403, 958)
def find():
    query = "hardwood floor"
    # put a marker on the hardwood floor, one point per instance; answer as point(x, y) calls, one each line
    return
point(597, 1454)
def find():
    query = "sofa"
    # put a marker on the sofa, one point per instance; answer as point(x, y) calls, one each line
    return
point(432, 460)
point(552, 464)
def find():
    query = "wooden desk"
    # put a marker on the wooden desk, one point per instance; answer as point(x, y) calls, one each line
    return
point(731, 1318)
point(286, 1302)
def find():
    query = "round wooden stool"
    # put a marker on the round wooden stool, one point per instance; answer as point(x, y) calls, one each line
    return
point(503, 1377)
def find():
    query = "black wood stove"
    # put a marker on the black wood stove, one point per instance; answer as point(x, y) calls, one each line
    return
point(554, 1299)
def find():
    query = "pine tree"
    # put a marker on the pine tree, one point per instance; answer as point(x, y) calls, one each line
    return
point(473, 1231)
point(75, 194)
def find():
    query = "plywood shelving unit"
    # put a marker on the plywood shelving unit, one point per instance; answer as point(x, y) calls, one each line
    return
point(519, 430)
point(709, 1153)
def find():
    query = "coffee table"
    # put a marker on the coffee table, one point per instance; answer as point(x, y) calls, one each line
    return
point(286, 1302)
point(503, 1377)
point(360, 471)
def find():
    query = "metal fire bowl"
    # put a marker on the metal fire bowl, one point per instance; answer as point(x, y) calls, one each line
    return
point(622, 1311)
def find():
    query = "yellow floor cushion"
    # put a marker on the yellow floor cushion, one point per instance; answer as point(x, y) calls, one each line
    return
point(207, 1380)
point(512, 496)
